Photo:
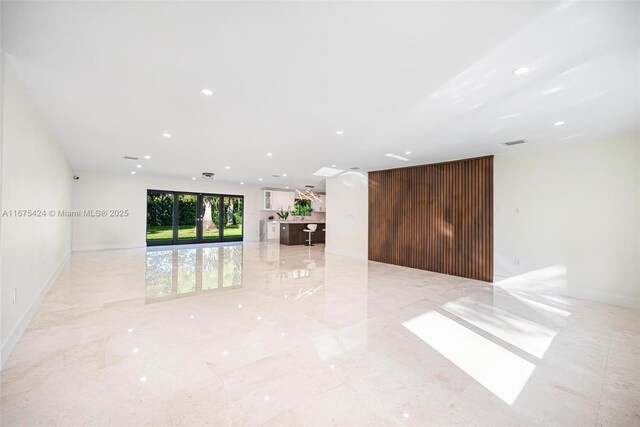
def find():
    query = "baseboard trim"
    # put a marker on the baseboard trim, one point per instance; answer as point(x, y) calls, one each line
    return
point(84, 248)
point(17, 332)
point(595, 296)
point(350, 254)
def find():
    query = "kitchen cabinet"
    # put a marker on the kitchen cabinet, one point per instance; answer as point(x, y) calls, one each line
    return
point(273, 230)
point(318, 205)
point(278, 200)
point(267, 200)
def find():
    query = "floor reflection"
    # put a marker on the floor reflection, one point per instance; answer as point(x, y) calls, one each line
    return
point(189, 271)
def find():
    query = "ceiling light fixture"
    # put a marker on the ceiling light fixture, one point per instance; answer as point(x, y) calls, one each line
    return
point(133, 172)
point(560, 123)
point(227, 167)
point(407, 152)
point(146, 156)
point(166, 135)
point(395, 156)
point(327, 171)
point(284, 174)
point(193, 178)
point(339, 132)
point(334, 166)
point(308, 195)
point(269, 154)
point(259, 179)
point(241, 183)
point(138, 166)
point(552, 90)
point(207, 92)
point(520, 71)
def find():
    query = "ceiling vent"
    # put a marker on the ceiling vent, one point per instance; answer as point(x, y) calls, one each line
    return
point(310, 186)
point(355, 168)
point(520, 141)
point(276, 176)
point(130, 158)
point(208, 175)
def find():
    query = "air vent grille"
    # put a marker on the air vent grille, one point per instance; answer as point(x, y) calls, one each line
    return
point(130, 158)
point(310, 186)
point(276, 176)
point(355, 168)
point(208, 175)
point(520, 141)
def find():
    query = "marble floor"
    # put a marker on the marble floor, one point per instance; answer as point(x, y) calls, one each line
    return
point(263, 334)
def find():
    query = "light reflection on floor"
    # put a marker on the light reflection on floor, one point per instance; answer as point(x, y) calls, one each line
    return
point(188, 271)
point(204, 334)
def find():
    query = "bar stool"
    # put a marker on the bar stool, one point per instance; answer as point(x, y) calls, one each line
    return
point(311, 228)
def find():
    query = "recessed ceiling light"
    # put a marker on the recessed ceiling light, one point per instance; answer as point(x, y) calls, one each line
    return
point(166, 135)
point(339, 132)
point(138, 166)
point(407, 152)
point(520, 71)
point(241, 183)
point(286, 188)
point(133, 172)
point(560, 123)
point(146, 156)
point(284, 174)
point(207, 92)
point(552, 90)
point(259, 179)
point(193, 178)
point(334, 166)
point(327, 172)
point(269, 154)
point(227, 167)
point(395, 156)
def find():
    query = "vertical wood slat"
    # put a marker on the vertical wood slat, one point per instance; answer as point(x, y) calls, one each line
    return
point(436, 217)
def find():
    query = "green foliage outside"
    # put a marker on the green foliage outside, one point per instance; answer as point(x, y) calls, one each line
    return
point(160, 216)
point(159, 210)
point(302, 207)
point(188, 232)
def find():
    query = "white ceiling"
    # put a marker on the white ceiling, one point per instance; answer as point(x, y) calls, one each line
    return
point(431, 78)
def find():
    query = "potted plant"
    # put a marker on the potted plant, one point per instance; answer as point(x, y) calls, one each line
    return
point(283, 215)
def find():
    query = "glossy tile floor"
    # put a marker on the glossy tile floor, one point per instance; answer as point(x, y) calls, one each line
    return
point(264, 334)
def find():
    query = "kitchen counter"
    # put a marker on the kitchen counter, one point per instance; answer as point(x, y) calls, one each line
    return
point(297, 221)
point(292, 232)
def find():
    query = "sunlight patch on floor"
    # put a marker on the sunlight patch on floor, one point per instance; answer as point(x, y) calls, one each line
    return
point(497, 369)
point(529, 336)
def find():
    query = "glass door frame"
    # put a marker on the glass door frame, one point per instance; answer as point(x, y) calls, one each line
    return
point(199, 216)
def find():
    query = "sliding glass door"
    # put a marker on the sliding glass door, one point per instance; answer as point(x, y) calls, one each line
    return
point(187, 217)
point(160, 209)
point(210, 217)
point(181, 218)
point(232, 217)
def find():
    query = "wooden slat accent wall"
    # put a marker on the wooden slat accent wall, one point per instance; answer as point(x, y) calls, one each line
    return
point(436, 217)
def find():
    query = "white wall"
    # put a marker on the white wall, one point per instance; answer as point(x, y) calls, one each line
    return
point(106, 191)
point(577, 231)
point(35, 175)
point(347, 218)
